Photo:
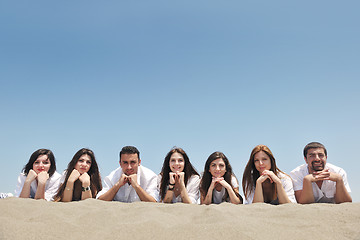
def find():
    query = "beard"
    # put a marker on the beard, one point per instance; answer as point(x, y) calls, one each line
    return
point(317, 167)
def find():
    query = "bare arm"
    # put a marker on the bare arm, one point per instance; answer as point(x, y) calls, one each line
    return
point(69, 189)
point(232, 195)
point(25, 191)
point(40, 191)
point(306, 195)
point(143, 195)
point(110, 194)
point(85, 183)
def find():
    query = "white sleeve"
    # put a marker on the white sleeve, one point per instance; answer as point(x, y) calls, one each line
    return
point(151, 187)
point(106, 186)
point(193, 188)
point(53, 186)
point(20, 184)
point(288, 187)
point(344, 177)
point(297, 179)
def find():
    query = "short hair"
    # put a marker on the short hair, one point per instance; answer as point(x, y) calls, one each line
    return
point(129, 150)
point(35, 156)
point(314, 145)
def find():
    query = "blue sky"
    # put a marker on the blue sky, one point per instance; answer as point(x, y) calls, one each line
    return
point(202, 75)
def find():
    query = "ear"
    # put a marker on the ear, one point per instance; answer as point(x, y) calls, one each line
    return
point(139, 161)
point(305, 159)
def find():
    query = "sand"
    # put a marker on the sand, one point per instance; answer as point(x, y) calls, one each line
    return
point(95, 219)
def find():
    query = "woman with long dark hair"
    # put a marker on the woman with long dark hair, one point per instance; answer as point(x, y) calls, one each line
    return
point(178, 180)
point(82, 178)
point(263, 181)
point(218, 183)
point(39, 179)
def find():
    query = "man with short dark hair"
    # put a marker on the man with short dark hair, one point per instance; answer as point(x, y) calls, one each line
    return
point(319, 181)
point(130, 182)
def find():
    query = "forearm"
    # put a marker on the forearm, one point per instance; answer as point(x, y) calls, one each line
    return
point(282, 196)
point(232, 195)
point(68, 192)
point(258, 195)
point(342, 195)
point(185, 196)
point(307, 195)
point(25, 192)
point(110, 194)
point(168, 196)
point(143, 195)
point(208, 198)
point(40, 191)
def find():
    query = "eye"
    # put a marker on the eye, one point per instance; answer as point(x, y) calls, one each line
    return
point(88, 162)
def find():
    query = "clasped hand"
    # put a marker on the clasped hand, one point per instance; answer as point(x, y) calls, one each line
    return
point(75, 175)
point(131, 179)
point(325, 175)
point(176, 177)
point(42, 177)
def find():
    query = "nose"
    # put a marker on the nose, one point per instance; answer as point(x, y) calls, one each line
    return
point(217, 167)
point(129, 166)
point(261, 162)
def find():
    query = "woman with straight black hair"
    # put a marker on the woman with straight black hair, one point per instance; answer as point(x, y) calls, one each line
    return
point(82, 179)
point(178, 180)
point(218, 183)
point(39, 179)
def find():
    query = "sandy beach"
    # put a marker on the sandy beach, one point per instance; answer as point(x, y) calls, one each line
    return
point(94, 219)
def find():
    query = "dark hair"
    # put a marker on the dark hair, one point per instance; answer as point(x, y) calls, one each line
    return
point(95, 179)
point(207, 177)
point(189, 170)
point(251, 174)
point(35, 156)
point(314, 145)
point(129, 150)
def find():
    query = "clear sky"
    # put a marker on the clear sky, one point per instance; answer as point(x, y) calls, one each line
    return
point(202, 75)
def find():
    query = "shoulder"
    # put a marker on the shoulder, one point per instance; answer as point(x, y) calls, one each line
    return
point(56, 175)
point(146, 172)
point(116, 172)
point(299, 170)
point(334, 168)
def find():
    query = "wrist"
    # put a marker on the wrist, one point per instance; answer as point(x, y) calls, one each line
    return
point(84, 189)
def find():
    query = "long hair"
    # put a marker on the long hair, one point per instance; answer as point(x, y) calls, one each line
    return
point(189, 170)
point(35, 156)
point(207, 177)
point(95, 179)
point(251, 174)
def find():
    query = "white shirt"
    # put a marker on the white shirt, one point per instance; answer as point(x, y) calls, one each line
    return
point(51, 186)
point(146, 178)
point(285, 182)
point(218, 196)
point(328, 188)
point(192, 188)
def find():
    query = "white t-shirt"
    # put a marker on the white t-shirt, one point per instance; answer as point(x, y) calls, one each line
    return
point(328, 188)
point(287, 185)
point(51, 186)
point(192, 188)
point(146, 178)
point(218, 196)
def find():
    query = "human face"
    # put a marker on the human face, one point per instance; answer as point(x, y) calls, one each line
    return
point(217, 168)
point(177, 162)
point(262, 161)
point(316, 159)
point(83, 164)
point(129, 163)
point(42, 163)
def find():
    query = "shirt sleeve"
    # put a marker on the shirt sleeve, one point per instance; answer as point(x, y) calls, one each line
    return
point(53, 186)
point(297, 179)
point(288, 187)
point(20, 184)
point(193, 188)
point(152, 189)
point(106, 186)
point(344, 177)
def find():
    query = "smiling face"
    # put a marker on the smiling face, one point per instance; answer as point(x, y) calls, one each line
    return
point(83, 164)
point(262, 161)
point(42, 163)
point(177, 162)
point(129, 163)
point(217, 168)
point(316, 159)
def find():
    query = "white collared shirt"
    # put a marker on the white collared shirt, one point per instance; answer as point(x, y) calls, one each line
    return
point(286, 184)
point(51, 186)
point(328, 188)
point(192, 188)
point(146, 178)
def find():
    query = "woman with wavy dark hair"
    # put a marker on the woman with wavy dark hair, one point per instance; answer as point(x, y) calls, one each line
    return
point(263, 181)
point(39, 179)
point(82, 178)
point(218, 183)
point(178, 180)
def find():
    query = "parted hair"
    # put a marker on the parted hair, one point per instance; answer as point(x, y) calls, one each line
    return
point(95, 179)
point(207, 177)
point(251, 174)
point(35, 156)
point(189, 170)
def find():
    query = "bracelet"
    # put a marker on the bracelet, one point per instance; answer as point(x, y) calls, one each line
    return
point(171, 189)
point(69, 189)
point(84, 189)
point(172, 184)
